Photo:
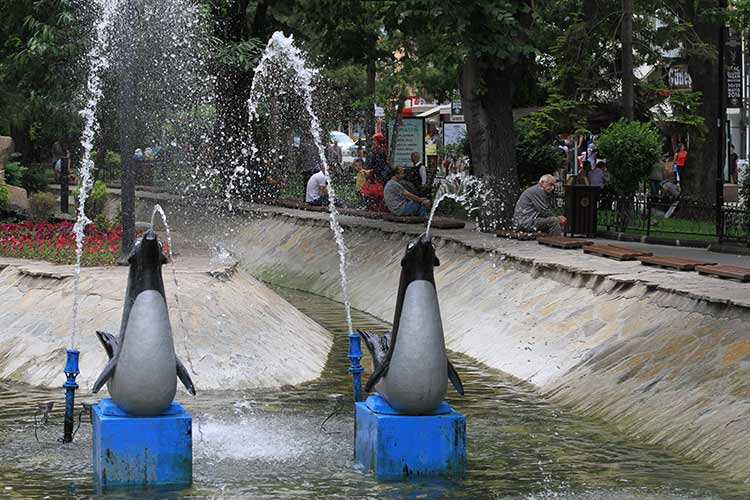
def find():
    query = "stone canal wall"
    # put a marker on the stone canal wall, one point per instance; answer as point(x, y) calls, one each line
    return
point(238, 330)
point(663, 355)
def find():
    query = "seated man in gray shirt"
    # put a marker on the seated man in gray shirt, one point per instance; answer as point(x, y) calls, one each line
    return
point(400, 201)
point(532, 209)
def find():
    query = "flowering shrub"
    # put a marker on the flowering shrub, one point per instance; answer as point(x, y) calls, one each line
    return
point(57, 243)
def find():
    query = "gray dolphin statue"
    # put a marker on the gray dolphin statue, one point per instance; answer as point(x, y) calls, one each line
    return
point(142, 372)
point(410, 367)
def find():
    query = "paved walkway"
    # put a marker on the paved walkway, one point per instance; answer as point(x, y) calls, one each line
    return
point(692, 284)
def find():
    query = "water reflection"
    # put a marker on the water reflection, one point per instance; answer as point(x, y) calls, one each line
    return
point(296, 442)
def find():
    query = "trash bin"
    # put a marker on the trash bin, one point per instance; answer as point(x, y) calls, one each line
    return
point(580, 210)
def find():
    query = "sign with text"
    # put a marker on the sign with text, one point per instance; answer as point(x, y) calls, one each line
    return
point(457, 108)
point(410, 138)
point(679, 78)
point(453, 133)
point(733, 68)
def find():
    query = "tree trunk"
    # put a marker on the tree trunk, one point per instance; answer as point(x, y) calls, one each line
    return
point(627, 59)
point(398, 120)
point(487, 97)
point(700, 175)
point(371, 75)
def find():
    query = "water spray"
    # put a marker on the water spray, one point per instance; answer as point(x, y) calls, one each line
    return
point(71, 372)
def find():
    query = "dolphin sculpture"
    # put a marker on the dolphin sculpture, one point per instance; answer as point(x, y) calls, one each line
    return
point(142, 372)
point(410, 367)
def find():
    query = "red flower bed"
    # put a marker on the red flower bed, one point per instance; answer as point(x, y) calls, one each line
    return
point(57, 243)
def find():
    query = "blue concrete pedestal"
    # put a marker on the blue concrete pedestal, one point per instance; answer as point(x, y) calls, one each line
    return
point(142, 451)
point(397, 446)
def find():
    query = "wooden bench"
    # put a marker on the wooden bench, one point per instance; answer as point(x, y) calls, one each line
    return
point(404, 219)
point(447, 223)
point(517, 235)
point(615, 252)
point(678, 263)
point(726, 272)
point(563, 242)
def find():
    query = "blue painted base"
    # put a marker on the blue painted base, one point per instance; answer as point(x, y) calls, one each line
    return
point(397, 446)
point(142, 451)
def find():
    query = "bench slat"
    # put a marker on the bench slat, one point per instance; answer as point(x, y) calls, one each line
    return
point(563, 242)
point(516, 235)
point(615, 252)
point(725, 271)
point(679, 263)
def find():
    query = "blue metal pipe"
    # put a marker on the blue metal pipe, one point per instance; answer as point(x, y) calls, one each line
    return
point(71, 371)
point(355, 355)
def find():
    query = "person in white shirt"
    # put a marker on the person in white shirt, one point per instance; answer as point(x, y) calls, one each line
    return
point(317, 187)
point(418, 164)
point(317, 191)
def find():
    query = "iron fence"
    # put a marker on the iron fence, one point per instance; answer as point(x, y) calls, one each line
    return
point(680, 219)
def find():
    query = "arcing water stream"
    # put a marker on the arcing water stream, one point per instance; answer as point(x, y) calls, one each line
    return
point(170, 251)
point(98, 63)
point(280, 46)
point(462, 188)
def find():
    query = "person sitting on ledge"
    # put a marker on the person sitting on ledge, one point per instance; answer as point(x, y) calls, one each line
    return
point(400, 201)
point(533, 209)
point(372, 193)
point(316, 193)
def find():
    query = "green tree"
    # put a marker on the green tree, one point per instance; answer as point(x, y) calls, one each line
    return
point(40, 73)
point(631, 149)
point(494, 41)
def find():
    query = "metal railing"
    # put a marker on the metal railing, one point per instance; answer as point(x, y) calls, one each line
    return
point(681, 219)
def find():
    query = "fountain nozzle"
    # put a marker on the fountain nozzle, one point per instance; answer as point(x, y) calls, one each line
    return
point(71, 371)
point(355, 355)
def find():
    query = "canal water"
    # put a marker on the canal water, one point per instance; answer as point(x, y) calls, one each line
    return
point(296, 443)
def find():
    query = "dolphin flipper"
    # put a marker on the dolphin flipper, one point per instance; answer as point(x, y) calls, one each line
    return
point(184, 377)
point(455, 379)
point(109, 342)
point(107, 373)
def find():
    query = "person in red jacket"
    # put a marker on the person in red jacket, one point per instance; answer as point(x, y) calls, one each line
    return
point(680, 158)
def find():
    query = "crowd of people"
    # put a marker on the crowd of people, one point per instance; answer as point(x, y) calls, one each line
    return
point(399, 189)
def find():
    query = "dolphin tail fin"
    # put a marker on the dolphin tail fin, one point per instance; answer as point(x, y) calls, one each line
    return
point(378, 346)
point(109, 342)
point(184, 377)
point(455, 379)
point(107, 373)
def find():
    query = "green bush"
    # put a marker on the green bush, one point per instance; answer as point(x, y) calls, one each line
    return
point(113, 158)
point(35, 178)
point(631, 149)
point(42, 206)
point(14, 172)
point(534, 156)
point(4, 196)
point(96, 200)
